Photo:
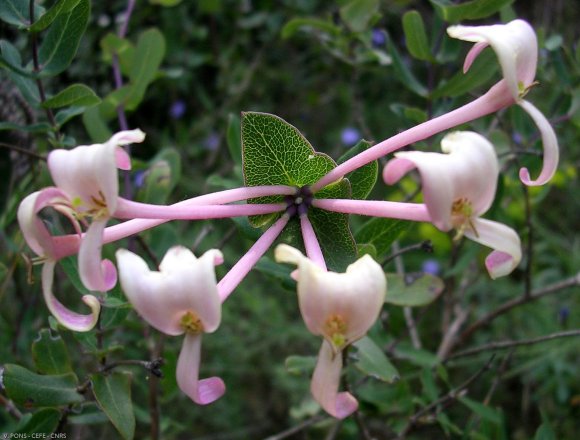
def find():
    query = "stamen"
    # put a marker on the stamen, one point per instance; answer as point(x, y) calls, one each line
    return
point(461, 217)
point(191, 323)
point(335, 329)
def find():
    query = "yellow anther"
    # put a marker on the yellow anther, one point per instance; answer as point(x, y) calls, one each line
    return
point(335, 329)
point(191, 323)
point(461, 217)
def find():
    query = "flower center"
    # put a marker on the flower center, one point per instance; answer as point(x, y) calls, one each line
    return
point(191, 323)
point(97, 209)
point(461, 213)
point(299, 203)
point(335, 329)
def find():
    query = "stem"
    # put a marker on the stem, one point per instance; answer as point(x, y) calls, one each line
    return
point(10, 408)
point(23, 151)
point(311, 243)
point(495, 99)
point(237, 273)
point(501, 345)
point(376, 208)
point(127, 209)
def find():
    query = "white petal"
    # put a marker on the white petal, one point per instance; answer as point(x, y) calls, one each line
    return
point(203, 391)
point(325, 383)
point(550, 143)
point(356, 296)
point(184, 284)
point(516, 47)
point(503, 240)
point(95, 273)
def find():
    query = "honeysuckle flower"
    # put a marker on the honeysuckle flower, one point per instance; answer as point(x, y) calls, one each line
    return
point(88, 176)
point(41, 242)
point(340, 307)
point(459, 187)
point(516, 46)
point(181, 298)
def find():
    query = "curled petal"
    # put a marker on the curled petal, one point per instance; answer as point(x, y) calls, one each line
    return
point(514, 43)
point(325, 383)
point(356, 296)
point(203, 391)
point(94, 273)
point(67, 318)
point(184, 283)
point(505, 242)
point(551, 149)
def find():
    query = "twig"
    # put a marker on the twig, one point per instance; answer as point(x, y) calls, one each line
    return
point(449, 397)
point(523, 299)
point(10, 408)
point(509, 344)
point(529, 242)
point(151, 366)
point(23, 151)
point(295, 429)
point(426, 246)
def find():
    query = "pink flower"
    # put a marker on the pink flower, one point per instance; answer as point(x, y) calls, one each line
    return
point(458, 188)
point(516, 46)
point(41, 242)
point(181, 298)
point(87, 176)
point(340, 307)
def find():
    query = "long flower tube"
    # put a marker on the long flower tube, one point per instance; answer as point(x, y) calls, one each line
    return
point(376, 208)
point(311, 243)
point(516, 46)
point(237, 273)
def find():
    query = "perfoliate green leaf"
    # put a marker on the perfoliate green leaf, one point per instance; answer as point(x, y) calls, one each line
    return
point(471, 10)
point(358, 13)
point(381, 233)
point(25, 387)
point(63, 38)
point(50, 354)
point(300, 364)
point(17, 12)
point(413, 290)
point(363, 179)
point(43, 421)
point(483, 68)
point(373, 362)
point(113, 394)
point(297, 24)
point(60, 7)
point(415, 36)
point(75, 95)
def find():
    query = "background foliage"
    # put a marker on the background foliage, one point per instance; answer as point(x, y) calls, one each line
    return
point(338, 71)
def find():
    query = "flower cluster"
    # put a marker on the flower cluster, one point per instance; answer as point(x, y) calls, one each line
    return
point(184, 297)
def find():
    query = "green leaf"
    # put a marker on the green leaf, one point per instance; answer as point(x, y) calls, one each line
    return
point(148, 56)
point(17, 12)
point(373, 362)
point(471, 10)
point(161, 177)
point(113, 394)
point(112, 44)
point(413, 290)
point(65, 115)
point(234, 138)
point(381, 233)
point(13, 63)
point(358, 13)
point(279, 271)
point(43, 421)
point(363, 179)
point(415, 36)
point(297, 24)
point(50, 355)
point(300, 364)
point(165, 3)
point(96, 125)
point(545, 432)
point(484, 411)
point(41, 127)
point(31, 389)
point(60, 7)
point(403, 73)
point(76, 94)
point(483, 68)
point(63, 38)
point(417, 356)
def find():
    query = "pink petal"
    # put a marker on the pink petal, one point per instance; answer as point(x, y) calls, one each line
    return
point(94, 273)
point(67, 318)
point(473, 54)
point(203, 391)
point(396, 168)
point(505, 242)
point(325, 383)
point(550, 143)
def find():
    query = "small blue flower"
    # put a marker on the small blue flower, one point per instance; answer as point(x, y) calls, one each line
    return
point(177, 109)
point(139, 178)
point(349, 136)
point(378, 38)
point(212, 141)
point(563, 314)
point(431, 266)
